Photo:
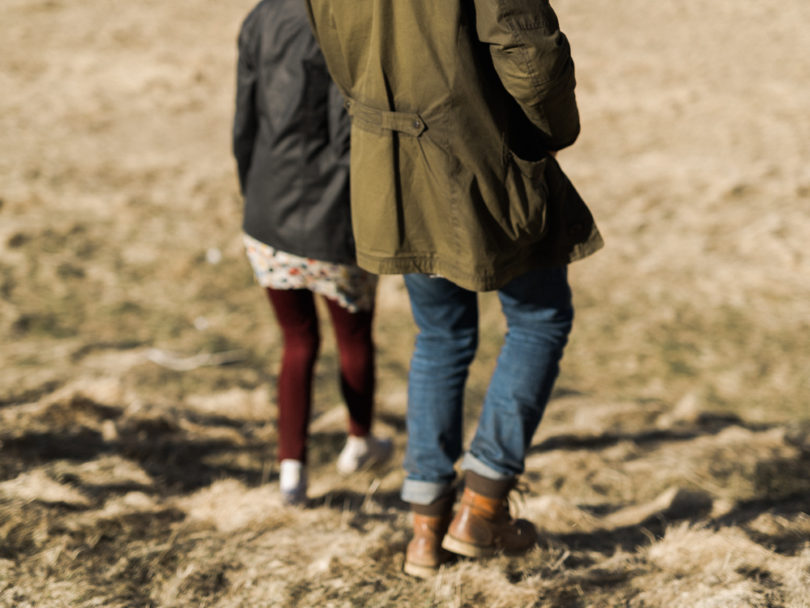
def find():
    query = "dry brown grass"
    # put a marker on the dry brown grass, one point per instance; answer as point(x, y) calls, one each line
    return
point(671, 468)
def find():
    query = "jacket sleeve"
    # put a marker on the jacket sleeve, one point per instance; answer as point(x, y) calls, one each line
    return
point(533, 60)
point(245, 122)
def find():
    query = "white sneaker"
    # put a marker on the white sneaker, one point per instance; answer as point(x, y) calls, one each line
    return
point(363, 453)
point(292, 479)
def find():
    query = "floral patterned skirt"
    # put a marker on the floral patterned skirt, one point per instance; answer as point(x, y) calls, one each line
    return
point(348, 285)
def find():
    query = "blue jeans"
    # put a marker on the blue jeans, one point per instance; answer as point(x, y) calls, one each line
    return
point(539, 315)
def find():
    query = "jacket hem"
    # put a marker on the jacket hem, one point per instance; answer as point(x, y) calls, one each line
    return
point(479, 280)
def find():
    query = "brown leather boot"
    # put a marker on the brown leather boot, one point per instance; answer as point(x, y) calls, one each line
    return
point(483, 526)
point(424, 554)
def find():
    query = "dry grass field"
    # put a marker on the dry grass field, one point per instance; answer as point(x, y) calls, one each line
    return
point(138, 357)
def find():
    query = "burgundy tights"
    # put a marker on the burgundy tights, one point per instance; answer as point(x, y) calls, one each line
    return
point(296, 314)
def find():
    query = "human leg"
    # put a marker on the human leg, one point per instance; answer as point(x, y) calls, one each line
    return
point(353, 333)
point(297, 317)
point(539, 316)
point(447, 319)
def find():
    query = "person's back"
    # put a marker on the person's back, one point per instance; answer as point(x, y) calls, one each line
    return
point(290, 141)
point(455, 107)
point(457, 110)
point(291, 137)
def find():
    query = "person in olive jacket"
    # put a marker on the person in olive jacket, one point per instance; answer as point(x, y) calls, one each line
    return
point(458, 110)
point(291, 143)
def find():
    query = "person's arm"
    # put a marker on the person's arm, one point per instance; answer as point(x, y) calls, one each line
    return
point(245, 122)
point(533, 60)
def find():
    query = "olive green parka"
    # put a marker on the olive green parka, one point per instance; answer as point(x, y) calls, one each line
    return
point(455, 107)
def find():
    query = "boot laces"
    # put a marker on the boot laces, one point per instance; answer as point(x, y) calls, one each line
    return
point(516, 497)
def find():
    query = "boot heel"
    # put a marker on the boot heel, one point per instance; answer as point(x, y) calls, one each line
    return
point(420, 571)
point(466, 549)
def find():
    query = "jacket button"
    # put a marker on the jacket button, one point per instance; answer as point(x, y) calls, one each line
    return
point(417, 124)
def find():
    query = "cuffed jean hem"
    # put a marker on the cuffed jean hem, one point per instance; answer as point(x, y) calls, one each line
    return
point(423, 492)
point(420, 492)
point(471, 463)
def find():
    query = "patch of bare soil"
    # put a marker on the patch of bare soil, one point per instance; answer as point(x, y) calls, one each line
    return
point(138, 358)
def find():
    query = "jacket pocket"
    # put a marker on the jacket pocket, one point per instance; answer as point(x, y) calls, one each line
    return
point(526, 215)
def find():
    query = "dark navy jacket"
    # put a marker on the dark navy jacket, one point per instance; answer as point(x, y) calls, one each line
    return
point(291, 137)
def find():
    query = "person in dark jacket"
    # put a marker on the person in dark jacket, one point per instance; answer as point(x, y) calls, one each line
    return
point(291, 143)
point(458, 109)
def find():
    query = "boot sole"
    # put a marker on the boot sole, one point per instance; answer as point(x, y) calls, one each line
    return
point(420, 571)
point(466, 549)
